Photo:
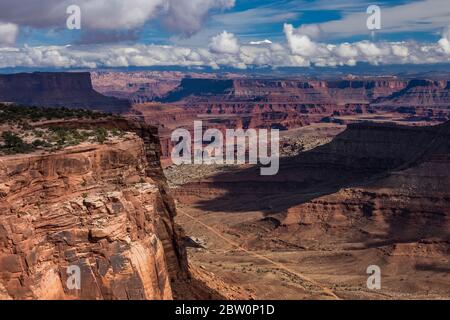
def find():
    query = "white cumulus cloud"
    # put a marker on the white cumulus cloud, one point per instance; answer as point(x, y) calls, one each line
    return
point(224, 49)
point(224, 43)
point(181, 16)
point(261, 42)
point(299, 43)
point(444, 42)
point(346, 50)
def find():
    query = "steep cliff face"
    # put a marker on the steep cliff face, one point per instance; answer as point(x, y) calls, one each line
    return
point(102, 208)
point(198, 87)
point(420, 92)
point(72, 90)
point(283, 91)
point(421, 98)
point(404, 200)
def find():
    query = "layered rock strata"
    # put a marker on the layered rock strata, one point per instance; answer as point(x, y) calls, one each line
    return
point(100, 208)
point(57, 89)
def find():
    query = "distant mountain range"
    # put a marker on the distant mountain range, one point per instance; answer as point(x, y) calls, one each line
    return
point(364, 69)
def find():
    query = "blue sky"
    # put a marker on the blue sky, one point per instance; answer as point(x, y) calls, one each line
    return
point(223, 32)
point(250, 20)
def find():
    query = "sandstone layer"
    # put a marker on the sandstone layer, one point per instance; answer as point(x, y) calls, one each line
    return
point(102, 208)
point(72, 90)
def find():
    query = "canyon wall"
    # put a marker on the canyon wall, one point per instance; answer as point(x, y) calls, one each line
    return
point(282, 91)
point(103, 208)
point(253, 96)
point(402, 205)
point(421, 98)
point(72, 90)
point(265, 103)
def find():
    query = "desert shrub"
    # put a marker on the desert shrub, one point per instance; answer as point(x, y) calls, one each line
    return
point(117, 132)
point(18, 113)
point(76, 137)
point(101, 135)
point(41, 144)
point(24, 125)
point(60, 135)
point(12, 143)
point(68, 137)
point(38, 133)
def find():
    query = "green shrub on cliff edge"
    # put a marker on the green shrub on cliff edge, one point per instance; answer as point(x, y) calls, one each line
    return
point(67, 136)
point(12, 143)
point(27, 128)
point(18, 113)
point(101, 135)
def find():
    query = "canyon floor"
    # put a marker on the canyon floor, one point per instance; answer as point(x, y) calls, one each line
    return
point(239, 238)
point(298, 273)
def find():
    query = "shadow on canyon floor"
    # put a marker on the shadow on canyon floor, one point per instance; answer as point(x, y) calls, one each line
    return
point(365, 155)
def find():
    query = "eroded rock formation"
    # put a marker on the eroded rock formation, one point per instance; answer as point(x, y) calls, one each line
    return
point(73, 90)
point(402, 200)
point(279, 91)
point(102, 208)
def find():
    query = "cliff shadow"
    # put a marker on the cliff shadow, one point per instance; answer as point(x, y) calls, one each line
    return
point(298, 181)
point(356, 157)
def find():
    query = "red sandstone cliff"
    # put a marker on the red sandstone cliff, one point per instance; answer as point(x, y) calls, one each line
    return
point(73, 90)
point(266, 103)
point(284, 91)
point(418, 92)
point(103, 208)
point(426, 99)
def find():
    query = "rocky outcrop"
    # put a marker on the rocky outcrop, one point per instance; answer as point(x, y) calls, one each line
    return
point(138, 86)
point(72, 90)
point(101, 209)
point(403, 199)
point(420, 92)
point(421, 99)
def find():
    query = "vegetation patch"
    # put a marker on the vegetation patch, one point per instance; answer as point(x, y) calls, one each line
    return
point(19, 113)
point(20, 130)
